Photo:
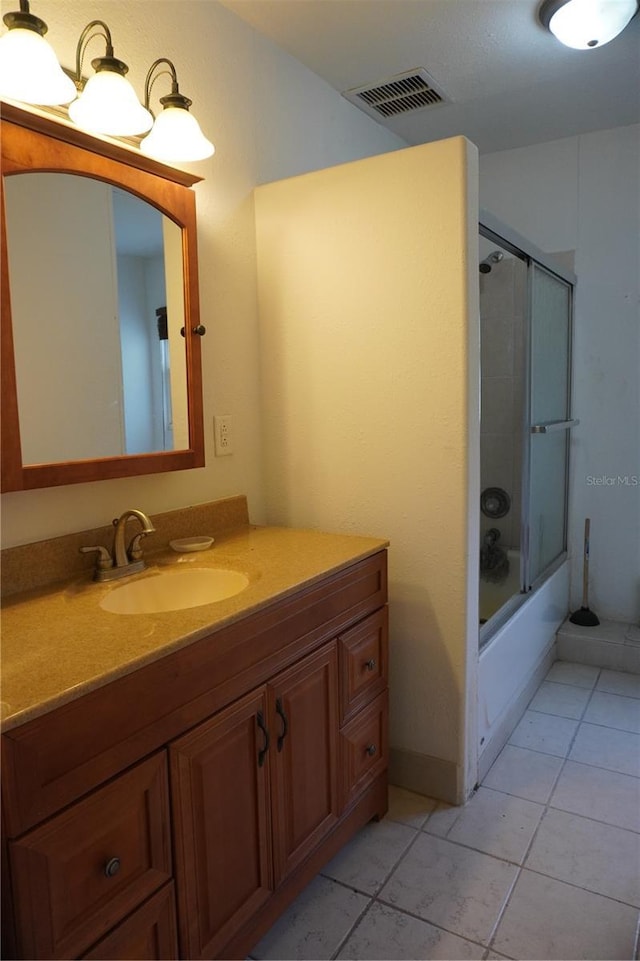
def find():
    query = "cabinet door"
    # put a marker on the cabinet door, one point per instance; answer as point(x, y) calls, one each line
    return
point(220, 786)
point(303, 705)
point(149, 934)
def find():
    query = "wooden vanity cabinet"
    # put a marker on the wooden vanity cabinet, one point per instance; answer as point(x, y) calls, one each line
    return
point(242, 763)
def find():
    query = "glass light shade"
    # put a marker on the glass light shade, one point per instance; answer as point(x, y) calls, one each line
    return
point(29, 70)
point(586, 24)
point(108, 105)
point(176, 137)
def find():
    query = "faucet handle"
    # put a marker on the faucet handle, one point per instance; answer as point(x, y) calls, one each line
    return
point(104, 560)
point(134, 551)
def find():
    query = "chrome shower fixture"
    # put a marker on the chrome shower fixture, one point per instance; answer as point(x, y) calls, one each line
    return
point(486, 265)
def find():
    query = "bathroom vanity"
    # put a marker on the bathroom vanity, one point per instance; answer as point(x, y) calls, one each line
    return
point(195, 769)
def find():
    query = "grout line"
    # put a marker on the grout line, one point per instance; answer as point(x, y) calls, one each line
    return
point(562, 767)
point(373, 897)
point(405, 851)
point(548, 806)
point(505, 904)
point(577, 720)
point(547, 680)
point(611, 727)
point(347, 886)
point(599, 767)
point(630, 697)
point(378, 899)
point(560, 757)
point(487, 854)
point(581, 887)
point(351, 930)
point(424, 828)
point(565, 717)
point(588, 817)
point(521, 866)
point(433, 924)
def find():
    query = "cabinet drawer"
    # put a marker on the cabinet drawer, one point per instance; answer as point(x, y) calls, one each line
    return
point(149, 934)
point(363, 663)
point(79, 874)
point(364, 748)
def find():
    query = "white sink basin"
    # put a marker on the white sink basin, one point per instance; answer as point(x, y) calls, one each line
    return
point(174, 591)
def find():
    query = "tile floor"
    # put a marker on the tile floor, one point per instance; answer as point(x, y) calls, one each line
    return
point(542, 862)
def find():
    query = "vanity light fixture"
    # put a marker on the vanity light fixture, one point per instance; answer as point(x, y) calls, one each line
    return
point(176, 135)
point(107, 103)
point(586, 24)
point(29, 68)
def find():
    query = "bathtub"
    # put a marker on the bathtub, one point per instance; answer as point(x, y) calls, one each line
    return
point(515, 659)
point(494, 596)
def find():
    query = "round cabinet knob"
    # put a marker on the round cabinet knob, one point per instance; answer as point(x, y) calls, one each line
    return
point(112, 867)
point(200, 330)
point(370, 665)
point(371, 750)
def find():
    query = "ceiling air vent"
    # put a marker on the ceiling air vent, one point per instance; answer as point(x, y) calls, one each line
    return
point(413, 90)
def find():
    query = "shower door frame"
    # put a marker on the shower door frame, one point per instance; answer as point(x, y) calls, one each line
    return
point(510, 240)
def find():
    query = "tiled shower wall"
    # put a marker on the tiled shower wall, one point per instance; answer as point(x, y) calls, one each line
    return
point(502, 331)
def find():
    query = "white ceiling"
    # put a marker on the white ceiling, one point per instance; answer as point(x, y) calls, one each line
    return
point(510, 81)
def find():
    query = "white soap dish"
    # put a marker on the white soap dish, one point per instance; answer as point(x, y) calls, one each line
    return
point(186, 544)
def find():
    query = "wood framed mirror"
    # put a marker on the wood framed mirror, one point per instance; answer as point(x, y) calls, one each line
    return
point(101, 356)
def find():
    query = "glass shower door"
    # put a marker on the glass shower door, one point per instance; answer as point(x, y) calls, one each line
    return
point(550, 390)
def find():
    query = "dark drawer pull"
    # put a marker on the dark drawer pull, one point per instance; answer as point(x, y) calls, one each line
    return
point(112, 867)
point(262, 753)
point(285, 723)
point(371, 750)
point(370, 665)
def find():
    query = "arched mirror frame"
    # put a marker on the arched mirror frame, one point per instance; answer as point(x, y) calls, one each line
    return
point(31, 142)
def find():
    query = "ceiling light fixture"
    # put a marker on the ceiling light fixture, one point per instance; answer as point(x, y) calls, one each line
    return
point(29, 68)
point(176, 135)
point(107, 103)
point(586, 24)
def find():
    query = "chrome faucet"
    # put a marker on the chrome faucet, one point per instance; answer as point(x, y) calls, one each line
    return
point(123, 560)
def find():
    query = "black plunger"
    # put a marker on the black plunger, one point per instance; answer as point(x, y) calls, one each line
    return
point(585, 617)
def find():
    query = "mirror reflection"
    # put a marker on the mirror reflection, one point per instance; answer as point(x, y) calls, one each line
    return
point(97, 304)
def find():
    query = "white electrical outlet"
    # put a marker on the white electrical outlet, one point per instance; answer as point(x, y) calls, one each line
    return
point(222, 435)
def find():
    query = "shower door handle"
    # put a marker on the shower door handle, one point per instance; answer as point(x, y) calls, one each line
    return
point(552, 425)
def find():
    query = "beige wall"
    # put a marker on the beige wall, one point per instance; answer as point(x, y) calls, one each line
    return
point(269, 117)
point(369, 348)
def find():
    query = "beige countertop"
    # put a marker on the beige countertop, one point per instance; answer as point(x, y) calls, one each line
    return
point(58, 643)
